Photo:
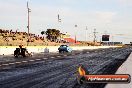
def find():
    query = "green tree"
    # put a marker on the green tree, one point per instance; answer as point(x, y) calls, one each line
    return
point(42, 32)
point(1, 31)
point(52, 34)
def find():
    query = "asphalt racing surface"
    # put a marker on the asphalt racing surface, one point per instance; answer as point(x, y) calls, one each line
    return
point(59, 70)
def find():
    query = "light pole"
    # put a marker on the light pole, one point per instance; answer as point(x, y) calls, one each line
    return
point(75, 34)
point(59, 21)
point(95, 36)
point(86, 33)
point(29, 10)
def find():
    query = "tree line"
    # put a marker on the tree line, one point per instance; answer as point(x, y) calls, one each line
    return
point(52, 34)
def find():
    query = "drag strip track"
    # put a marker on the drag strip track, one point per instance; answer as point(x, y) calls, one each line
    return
point(62, 72)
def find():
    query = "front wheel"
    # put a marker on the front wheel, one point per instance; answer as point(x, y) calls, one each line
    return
point(16, 55)
point(60, 51)
point(23, 54)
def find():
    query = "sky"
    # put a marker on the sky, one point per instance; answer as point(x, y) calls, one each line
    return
point(113, 17)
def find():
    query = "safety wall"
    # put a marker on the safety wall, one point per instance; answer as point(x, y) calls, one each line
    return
point(8, 50)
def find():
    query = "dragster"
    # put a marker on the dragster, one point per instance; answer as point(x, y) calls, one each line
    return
point(22, 51)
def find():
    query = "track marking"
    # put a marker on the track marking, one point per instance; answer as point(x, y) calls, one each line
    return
point(24, 61)
point(45, 58)
point(11, 63)
point(5, 64)
point(0, 65)
point(58, 56)
point(31, 60)
point(87, 52)
point(64, 55)
point(59, 62)
point(17, 62)
point(52, 57)
point(38, 59)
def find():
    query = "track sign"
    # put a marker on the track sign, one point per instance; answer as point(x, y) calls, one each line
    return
point(105, 37)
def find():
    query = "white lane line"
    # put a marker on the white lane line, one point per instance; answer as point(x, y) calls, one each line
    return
point(11, 63)
point(17, 62)
point(58, 56)
point(65, 55)
point(31, 60)
point(24, 61)
point(87, 52)
point(45, 58)
point(37, 59)
point(0, 65)
point(52, 57)
point(5, 64)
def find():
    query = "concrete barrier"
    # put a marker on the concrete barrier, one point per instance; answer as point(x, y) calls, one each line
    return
point(125, 68)
point(8, 50)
